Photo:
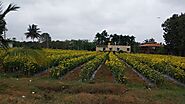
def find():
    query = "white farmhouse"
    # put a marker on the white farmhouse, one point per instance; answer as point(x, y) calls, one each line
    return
point(115, 48)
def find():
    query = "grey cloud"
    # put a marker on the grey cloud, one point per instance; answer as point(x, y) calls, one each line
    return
point(81, 19)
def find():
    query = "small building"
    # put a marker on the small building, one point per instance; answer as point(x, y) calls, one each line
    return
point(112, 48)
point(9, 44)
point(150, 48)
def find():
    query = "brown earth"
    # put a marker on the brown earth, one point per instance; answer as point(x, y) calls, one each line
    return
point(73, 75)
point(132, 76)
point(49, 91)
point(104, 75)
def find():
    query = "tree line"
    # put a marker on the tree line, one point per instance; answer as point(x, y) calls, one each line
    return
point(67, 44)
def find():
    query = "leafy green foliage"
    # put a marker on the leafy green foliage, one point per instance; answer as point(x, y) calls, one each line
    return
point(117, 67)
point(11, 7)
point(90, 67)
point(25, 61)
point(143, 68)
point(68, 65)
point(174, 34)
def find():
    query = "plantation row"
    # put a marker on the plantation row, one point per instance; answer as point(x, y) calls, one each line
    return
point(117, 68)
point(60, 62)
point(29, 62)
point(154, 66)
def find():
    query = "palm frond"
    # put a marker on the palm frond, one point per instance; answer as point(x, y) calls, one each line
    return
point(1, 7)
point(11, 7)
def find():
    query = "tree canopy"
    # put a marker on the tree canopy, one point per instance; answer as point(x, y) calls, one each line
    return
point(33, 32)
point(3, 13)
point(45, 38)
point(151, 40)
point(174, 34)
point(104, 39)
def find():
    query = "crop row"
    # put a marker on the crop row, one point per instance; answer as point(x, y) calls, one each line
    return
point(163, 65)
point(24, 61)
point(68, 65)
point(30, 62)
point(90, 67)
point(143, 68)
point(54, 58)
point(117, 67)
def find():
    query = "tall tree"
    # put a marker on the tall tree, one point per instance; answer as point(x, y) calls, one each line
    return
point(33, 32)
point(115, 39)
point(152, 40)
point(174, 34)
point(98, 39)
point(3, 13)
point(45, 38)
point(102, 39)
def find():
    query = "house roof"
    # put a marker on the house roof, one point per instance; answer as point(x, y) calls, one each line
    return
point(101, 46)
point(151, 45)
point(105, 46)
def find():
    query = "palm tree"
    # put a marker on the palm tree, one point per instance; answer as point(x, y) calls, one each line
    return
point(33, 32)
point(3, 29)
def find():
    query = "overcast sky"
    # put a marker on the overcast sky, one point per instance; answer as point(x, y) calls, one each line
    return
point(82, 19)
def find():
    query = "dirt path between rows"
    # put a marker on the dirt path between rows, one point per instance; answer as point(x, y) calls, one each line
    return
point(132, 76)
point(43, 74)
point(73, 75)
point(104, 75)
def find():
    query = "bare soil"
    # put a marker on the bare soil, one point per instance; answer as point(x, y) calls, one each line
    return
point(133, 77)
point(73, 75)
point(44, 74)
point(104, 75)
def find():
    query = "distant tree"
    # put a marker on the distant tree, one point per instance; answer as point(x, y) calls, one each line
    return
point(174, 34)
point(45, 38)
point(152, 40)
point(115, 39)
point(102, 39)
point(98, 39)
point(33, 32)
point(11, 7)
point(13, 39)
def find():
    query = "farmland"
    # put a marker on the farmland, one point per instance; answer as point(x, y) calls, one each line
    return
point(69, 76)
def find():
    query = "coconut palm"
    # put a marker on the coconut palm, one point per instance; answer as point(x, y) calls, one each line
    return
point(3, 13)
point(33, 32)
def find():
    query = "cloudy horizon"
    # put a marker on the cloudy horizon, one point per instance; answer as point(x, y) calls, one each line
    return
point(82, 19)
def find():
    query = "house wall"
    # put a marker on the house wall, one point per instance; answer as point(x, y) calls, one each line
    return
point(115, 48)
point(99, 48)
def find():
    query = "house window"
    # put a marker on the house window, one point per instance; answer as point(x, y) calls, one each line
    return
point(117, 49)
point(128, 49)
point(110, 49)
point(103, 49)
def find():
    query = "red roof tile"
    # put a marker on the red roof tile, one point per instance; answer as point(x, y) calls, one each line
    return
point(150, 45)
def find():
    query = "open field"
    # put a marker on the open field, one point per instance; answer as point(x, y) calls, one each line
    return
point(81, 77)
